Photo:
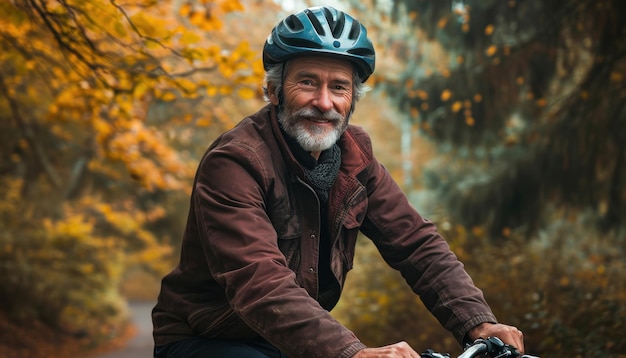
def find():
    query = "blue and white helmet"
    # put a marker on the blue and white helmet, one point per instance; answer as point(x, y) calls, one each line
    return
point(325, 31)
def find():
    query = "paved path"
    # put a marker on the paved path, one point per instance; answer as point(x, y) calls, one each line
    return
point(139, 346)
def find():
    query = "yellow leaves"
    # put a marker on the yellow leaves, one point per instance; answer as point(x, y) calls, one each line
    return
point(243, 52)
point(15, 19)
point(72, 227)
point(491, 50)
point(456, 106)
point(489, 30)
point(478, 231)
point(149, 26)
point(231, 5)
point(206, 21)
point(466, 106)
point(187, 86)
point(246, 93)
point(204, 122)
point(189, 38)
point(140, 89)
point(418, 93)
point(446, 95)
point(212, 90)
point(119, 28)
point(120, 220)
point(616, 77)
point(442, 22)
point(103, 130)
point(165, 96)
point(185, 9)
point(225, 90)
point(146, 156)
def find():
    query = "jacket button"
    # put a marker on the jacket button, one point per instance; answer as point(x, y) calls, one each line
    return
point(311, 270)
point(312, 236)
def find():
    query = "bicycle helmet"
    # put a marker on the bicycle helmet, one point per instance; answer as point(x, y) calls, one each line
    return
point(321, 30)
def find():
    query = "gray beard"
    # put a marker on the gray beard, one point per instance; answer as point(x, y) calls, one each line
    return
point(311, 139)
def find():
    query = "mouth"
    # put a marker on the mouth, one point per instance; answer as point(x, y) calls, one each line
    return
point(317, 120)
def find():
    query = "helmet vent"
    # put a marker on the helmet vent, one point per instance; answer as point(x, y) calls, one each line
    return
point(361, 52)
point(336, 24)
point(303, 43)
point(355, 31)
point(315, 22)
point(294, 23)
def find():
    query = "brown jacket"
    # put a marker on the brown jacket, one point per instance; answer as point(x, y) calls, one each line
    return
point(249, 257)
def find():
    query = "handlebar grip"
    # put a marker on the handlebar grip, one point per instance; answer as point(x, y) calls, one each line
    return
point(429, 353)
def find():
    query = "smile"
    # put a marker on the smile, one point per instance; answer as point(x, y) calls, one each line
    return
point(317, 120)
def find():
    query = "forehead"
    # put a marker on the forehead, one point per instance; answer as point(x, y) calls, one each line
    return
point(320, 65)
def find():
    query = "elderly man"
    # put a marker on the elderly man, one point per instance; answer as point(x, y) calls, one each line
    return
point(276, 208)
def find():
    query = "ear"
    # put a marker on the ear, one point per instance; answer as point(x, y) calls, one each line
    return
point(271, 94)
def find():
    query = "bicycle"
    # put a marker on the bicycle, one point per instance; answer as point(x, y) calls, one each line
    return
point(491, 346)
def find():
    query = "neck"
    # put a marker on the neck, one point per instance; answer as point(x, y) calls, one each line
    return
point(315, 154)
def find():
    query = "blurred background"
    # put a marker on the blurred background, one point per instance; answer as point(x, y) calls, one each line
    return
point(503, 120)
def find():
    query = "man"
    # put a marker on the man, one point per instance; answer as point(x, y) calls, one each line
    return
point(276, 208)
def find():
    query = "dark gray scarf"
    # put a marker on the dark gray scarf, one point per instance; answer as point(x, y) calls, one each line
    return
point(323, 175)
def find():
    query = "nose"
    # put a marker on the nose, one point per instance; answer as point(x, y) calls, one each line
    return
point(323, 99)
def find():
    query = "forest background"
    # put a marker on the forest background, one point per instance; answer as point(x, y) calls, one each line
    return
point(503, 120)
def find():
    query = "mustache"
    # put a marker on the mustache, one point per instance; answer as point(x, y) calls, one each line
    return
point(313, 112)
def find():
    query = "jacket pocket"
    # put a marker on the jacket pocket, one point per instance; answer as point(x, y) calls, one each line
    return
point(356, 214)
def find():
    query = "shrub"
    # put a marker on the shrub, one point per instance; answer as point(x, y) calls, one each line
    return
point(58, 272)
point(565, 288)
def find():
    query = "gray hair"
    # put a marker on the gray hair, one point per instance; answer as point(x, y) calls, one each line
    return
point(274, 74)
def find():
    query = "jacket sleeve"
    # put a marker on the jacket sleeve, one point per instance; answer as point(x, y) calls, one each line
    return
point(241, 249)
point(412, 245)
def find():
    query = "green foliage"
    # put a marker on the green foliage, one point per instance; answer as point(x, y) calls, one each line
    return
point(525, 96)
point(567, 295)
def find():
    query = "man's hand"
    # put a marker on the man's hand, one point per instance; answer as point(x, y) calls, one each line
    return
point(398, 350)
point(508, 334)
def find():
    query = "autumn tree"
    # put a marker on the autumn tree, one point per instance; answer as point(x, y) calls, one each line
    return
point(100, 106)
point(527, 97)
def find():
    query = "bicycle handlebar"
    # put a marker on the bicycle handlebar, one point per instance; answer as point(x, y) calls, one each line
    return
point(492, 346)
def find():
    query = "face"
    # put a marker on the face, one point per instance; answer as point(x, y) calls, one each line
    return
point(317, 100)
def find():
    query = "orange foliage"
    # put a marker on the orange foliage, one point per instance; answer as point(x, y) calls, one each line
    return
point(100, 103)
